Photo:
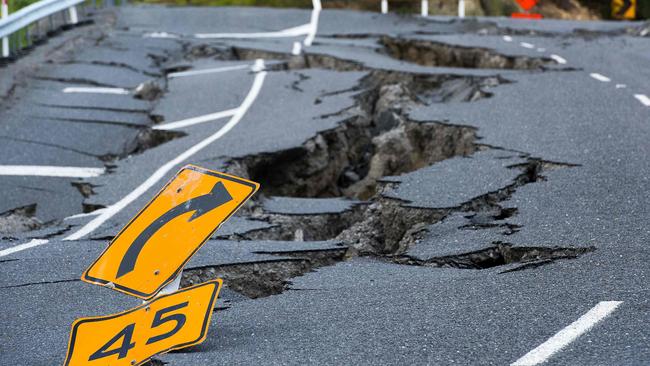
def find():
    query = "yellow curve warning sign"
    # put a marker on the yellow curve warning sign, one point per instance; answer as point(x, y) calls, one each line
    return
point(131, 338)
point(624, 9)
point(152, 249)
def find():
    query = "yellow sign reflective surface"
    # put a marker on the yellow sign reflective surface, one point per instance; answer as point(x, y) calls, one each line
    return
point(131, 338)
point(152, 249)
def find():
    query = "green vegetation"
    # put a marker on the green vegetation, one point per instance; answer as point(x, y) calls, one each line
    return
point(17, 4)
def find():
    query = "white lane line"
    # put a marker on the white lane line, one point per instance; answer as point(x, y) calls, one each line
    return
point(313, 23)
point(196, 120)
point(567, 335)
point(621, 86)
point(82, 215)
point(181, 74)
point(297, 48)
point(21, 247)
point(541, 49)
point(559, 59)
point(643, 99)
point(384, 6)
point(161, 35)
point(289, 32)
point(163, 170)
point(119, 91)
point(507, 38)
point(600, 77)
point(50, 171)
point(527, 45)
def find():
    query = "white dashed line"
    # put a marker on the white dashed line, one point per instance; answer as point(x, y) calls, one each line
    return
point(163, 170)
point(541, 49)
point(507, 38)
point(196, 120)
point(21, 247)
point(181, 74)
point(161, 35)
point(643, 99)
point(50, 171)
point(300, 30)
point(567, 335)
point(119, 91)
point(559, 59)
point(600, 77)
point(297, 48)
point(526, 45)
point(621, 86)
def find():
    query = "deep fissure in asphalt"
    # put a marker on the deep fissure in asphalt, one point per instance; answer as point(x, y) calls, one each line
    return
point(350, 160)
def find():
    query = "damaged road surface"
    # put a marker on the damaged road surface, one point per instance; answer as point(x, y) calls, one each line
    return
point(433, 191)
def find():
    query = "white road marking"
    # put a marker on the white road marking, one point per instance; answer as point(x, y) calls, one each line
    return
point(50, 171)
point(258, 65)
point(643, 99)
point(559, 59)
point(82, 215)
point(285, 33)
point(21, 247)
point(600, 77)
point(196, 120)
point(119, 91)
point(621, 86)
point(541, 49)
point(313, 24)
point(507, 38)
point(567, 335)
point(161, 35)
point(181, 74)
point(297, 48)
point(163, 170)
point(526, 45)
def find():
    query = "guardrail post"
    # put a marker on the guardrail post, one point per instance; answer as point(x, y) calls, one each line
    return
point(461, 8)
point(74, 18)
point(384, 6)
point(424, 9)
point(5, 40)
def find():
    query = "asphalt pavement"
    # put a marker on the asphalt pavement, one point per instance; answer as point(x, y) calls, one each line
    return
point(433, 190)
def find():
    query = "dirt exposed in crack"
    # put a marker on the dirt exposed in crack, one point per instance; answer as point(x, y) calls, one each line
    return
point(261, 279)
point(498, 255)
point(377, 141)
point(20, 219)
point(428, 53)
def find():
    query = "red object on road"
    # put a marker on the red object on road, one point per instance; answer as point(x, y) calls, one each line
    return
point(527, 4)
point(526, 16)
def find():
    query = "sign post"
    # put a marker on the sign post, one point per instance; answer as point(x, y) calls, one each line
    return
point(4, 11)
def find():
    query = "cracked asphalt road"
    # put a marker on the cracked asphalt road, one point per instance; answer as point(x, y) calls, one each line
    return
point(433, 191)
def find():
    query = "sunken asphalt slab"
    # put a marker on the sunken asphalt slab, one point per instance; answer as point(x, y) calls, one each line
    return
point(364, 310)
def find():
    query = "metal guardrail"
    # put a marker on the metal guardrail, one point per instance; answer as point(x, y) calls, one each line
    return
point(16, 28)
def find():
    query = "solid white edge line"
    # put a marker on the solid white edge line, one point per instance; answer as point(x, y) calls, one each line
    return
point(313, 23)
point(643, 99)
point(82, 215)
point(181, 74)
point(163, 170)
point(93, 90)
point(195, 120)
point(567, 335)
point(289, 32)
point(50, 171)
point(21, 247)
point(600, 77)
point(559, 59)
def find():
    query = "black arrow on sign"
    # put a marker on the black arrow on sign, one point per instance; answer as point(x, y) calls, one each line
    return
point(200, 205)
point(626, 5)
